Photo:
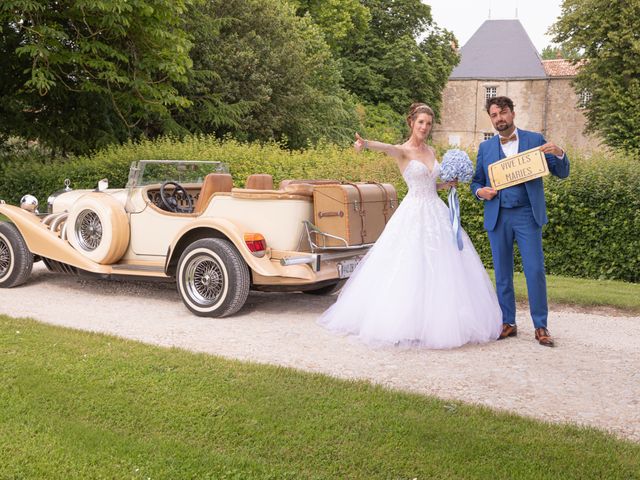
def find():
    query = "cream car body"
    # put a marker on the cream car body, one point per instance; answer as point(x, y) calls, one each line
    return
point(221, 242)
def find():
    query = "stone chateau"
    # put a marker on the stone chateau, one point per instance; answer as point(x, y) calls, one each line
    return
point(500, 59)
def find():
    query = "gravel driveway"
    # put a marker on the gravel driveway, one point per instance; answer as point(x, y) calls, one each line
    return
point(592, 377)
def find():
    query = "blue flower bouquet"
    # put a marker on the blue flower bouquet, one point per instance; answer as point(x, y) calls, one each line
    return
point(456, 165)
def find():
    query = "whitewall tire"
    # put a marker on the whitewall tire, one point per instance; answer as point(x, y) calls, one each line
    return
point(213, 278)
point(16, 261)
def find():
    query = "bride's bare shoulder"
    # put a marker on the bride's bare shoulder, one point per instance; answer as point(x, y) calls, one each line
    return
point(406, 150)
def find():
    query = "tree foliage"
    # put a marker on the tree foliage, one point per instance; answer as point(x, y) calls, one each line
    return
point(77, 74)
point(399, 57)
point(403, 57)
point(269, 71)
point(382, 123)
point(343, 22)
point(607, 33)
point(553, 52)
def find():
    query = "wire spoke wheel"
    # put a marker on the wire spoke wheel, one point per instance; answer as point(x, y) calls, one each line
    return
point(98, 227)
point(89, 230)
point(205, 279)
point(5, 257)
point(213, 278)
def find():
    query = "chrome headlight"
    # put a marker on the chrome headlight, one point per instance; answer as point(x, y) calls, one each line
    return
point(29, 203)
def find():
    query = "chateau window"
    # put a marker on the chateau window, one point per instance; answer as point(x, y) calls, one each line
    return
point(585, 98)
point(490, 92)
point(487, 136)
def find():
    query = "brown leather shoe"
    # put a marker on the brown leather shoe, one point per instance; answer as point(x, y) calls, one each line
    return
point(508, 331)
point(544, 337)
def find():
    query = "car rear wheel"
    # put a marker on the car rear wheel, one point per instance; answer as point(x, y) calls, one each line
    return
point(213, 278)
point(16, 261)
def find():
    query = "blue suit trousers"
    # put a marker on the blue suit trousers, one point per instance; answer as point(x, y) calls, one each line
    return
point(519, 225)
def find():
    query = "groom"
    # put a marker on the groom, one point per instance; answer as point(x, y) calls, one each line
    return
point(516, 213)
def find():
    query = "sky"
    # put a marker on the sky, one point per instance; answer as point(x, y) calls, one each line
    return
point(464, 17)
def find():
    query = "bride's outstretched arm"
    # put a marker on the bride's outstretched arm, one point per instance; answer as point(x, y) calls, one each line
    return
point(392, 150)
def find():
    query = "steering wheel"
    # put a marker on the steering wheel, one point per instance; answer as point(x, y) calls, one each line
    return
point(170, 201)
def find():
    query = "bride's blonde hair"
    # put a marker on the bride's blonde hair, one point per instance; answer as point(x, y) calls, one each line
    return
point(416, 109)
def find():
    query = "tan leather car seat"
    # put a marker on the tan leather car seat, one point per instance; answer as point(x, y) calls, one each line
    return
point(259, 181)
point(213, 182)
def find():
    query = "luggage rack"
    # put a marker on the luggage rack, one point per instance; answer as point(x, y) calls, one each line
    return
point(321, 251)
point(320, 238)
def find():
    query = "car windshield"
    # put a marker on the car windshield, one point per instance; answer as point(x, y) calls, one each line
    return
point(148, 172)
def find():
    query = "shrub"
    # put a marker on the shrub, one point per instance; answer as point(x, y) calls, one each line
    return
point(594, 229)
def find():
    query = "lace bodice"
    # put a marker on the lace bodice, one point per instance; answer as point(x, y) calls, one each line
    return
point(420, 180)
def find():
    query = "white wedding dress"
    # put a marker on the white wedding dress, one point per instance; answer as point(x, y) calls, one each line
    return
point(414, 287)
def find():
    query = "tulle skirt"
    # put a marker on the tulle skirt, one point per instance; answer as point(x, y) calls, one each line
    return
point(414, 287)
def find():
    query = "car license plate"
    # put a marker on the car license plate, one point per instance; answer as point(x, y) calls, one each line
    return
point(346, 267)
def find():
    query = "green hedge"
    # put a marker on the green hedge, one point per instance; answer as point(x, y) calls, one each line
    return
point(594, 229)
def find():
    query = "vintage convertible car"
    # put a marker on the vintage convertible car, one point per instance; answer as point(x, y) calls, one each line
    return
point(183, 221)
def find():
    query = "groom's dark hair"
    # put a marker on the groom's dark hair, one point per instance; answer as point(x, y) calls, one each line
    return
point(501, 102)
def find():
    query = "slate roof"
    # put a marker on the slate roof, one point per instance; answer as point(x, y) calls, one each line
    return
point(499, 50)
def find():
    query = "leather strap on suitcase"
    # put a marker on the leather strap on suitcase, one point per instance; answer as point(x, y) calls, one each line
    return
point(361, 211)
point(385, 208)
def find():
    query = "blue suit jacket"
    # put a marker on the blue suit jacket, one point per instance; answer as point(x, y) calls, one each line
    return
point(490, 152)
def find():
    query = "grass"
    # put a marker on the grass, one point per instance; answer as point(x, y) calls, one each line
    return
point(83, 405)
point(585, 292)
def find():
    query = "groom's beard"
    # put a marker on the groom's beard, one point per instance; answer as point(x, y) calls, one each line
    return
point(501, 127)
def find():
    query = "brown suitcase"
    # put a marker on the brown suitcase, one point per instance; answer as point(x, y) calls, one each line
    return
point(357, 212)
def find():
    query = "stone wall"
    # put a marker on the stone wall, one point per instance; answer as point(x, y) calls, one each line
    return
point(565, 118)
point(458, 114)
point(543, 105)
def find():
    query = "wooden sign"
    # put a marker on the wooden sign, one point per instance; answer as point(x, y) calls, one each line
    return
point(518, 168)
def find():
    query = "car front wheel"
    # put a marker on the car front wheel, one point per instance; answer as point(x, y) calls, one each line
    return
point(16, 261)
point(213, 278)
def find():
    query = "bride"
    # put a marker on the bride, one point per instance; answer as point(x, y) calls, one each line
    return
point(414, 287)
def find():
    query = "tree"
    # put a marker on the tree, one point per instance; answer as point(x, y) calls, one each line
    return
point(403, 56)
point(553, 52)
point(343, 22)
point(607, 33)
point(382, 123)
point(268, 70)
point(77, 74)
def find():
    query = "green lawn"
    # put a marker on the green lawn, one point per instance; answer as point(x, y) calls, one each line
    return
point(82, 405)
point(585, 292)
